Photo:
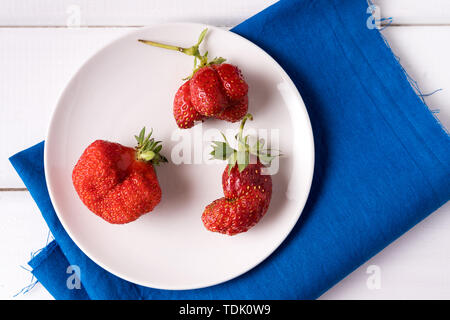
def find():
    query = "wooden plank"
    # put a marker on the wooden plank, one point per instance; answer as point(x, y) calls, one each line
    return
point(126, 13)
point(36, 64)
point(415, 12)
point(22, 231)
point(216, 12)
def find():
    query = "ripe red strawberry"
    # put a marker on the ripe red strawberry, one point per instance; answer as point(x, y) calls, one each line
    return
point(233, 216)
point(207, 94)
point(236, 183)
point(118, 183)
point(183, 111)
point(246, 201)
point(236, 111)
point(247, 191)
point(232, 80)
point(217, 89)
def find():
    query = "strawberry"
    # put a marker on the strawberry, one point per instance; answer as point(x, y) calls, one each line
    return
point(232, 80)
point(247, 191)
point(233, 216)
point(118, 183)
point(236, 111)
point(207, 94)
point(217, 89)
point(183, 111)
point(236, 183)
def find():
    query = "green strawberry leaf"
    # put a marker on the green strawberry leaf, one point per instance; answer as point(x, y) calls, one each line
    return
point(241, 156)
point(221, 150)
point(242, 160)
point(232, 160)
point(266, 159)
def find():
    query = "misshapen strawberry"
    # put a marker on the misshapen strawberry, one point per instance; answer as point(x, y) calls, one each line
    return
point(247, 191)
point(232, 80)
point(118, 183)
point(207, 94)
point(217, 89)
point(236, 111)
point(183, 111)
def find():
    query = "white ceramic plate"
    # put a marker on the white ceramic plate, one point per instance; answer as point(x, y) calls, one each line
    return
point(128, 85)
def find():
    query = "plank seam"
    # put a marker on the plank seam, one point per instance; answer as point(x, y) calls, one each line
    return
point(418, 24)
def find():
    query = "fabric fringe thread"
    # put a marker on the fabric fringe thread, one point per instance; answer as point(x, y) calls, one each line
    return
point(414, 84)
point(33, 280)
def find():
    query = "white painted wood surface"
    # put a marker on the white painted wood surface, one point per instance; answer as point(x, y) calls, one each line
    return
point(127, 13)
point(36, 64)
point(38, 55)
point(216, 12)
point(415, 12)
point(22, 231)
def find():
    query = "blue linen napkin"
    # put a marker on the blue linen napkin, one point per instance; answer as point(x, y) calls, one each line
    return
point(382, 162)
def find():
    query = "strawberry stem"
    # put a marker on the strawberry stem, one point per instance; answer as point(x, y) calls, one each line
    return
point(191, 51)
point(165, 46)
point(243, 121)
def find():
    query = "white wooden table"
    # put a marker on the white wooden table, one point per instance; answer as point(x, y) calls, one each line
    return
point(42, 43)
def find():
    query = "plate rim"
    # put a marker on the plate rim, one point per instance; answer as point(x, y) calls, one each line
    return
point(58, 106)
